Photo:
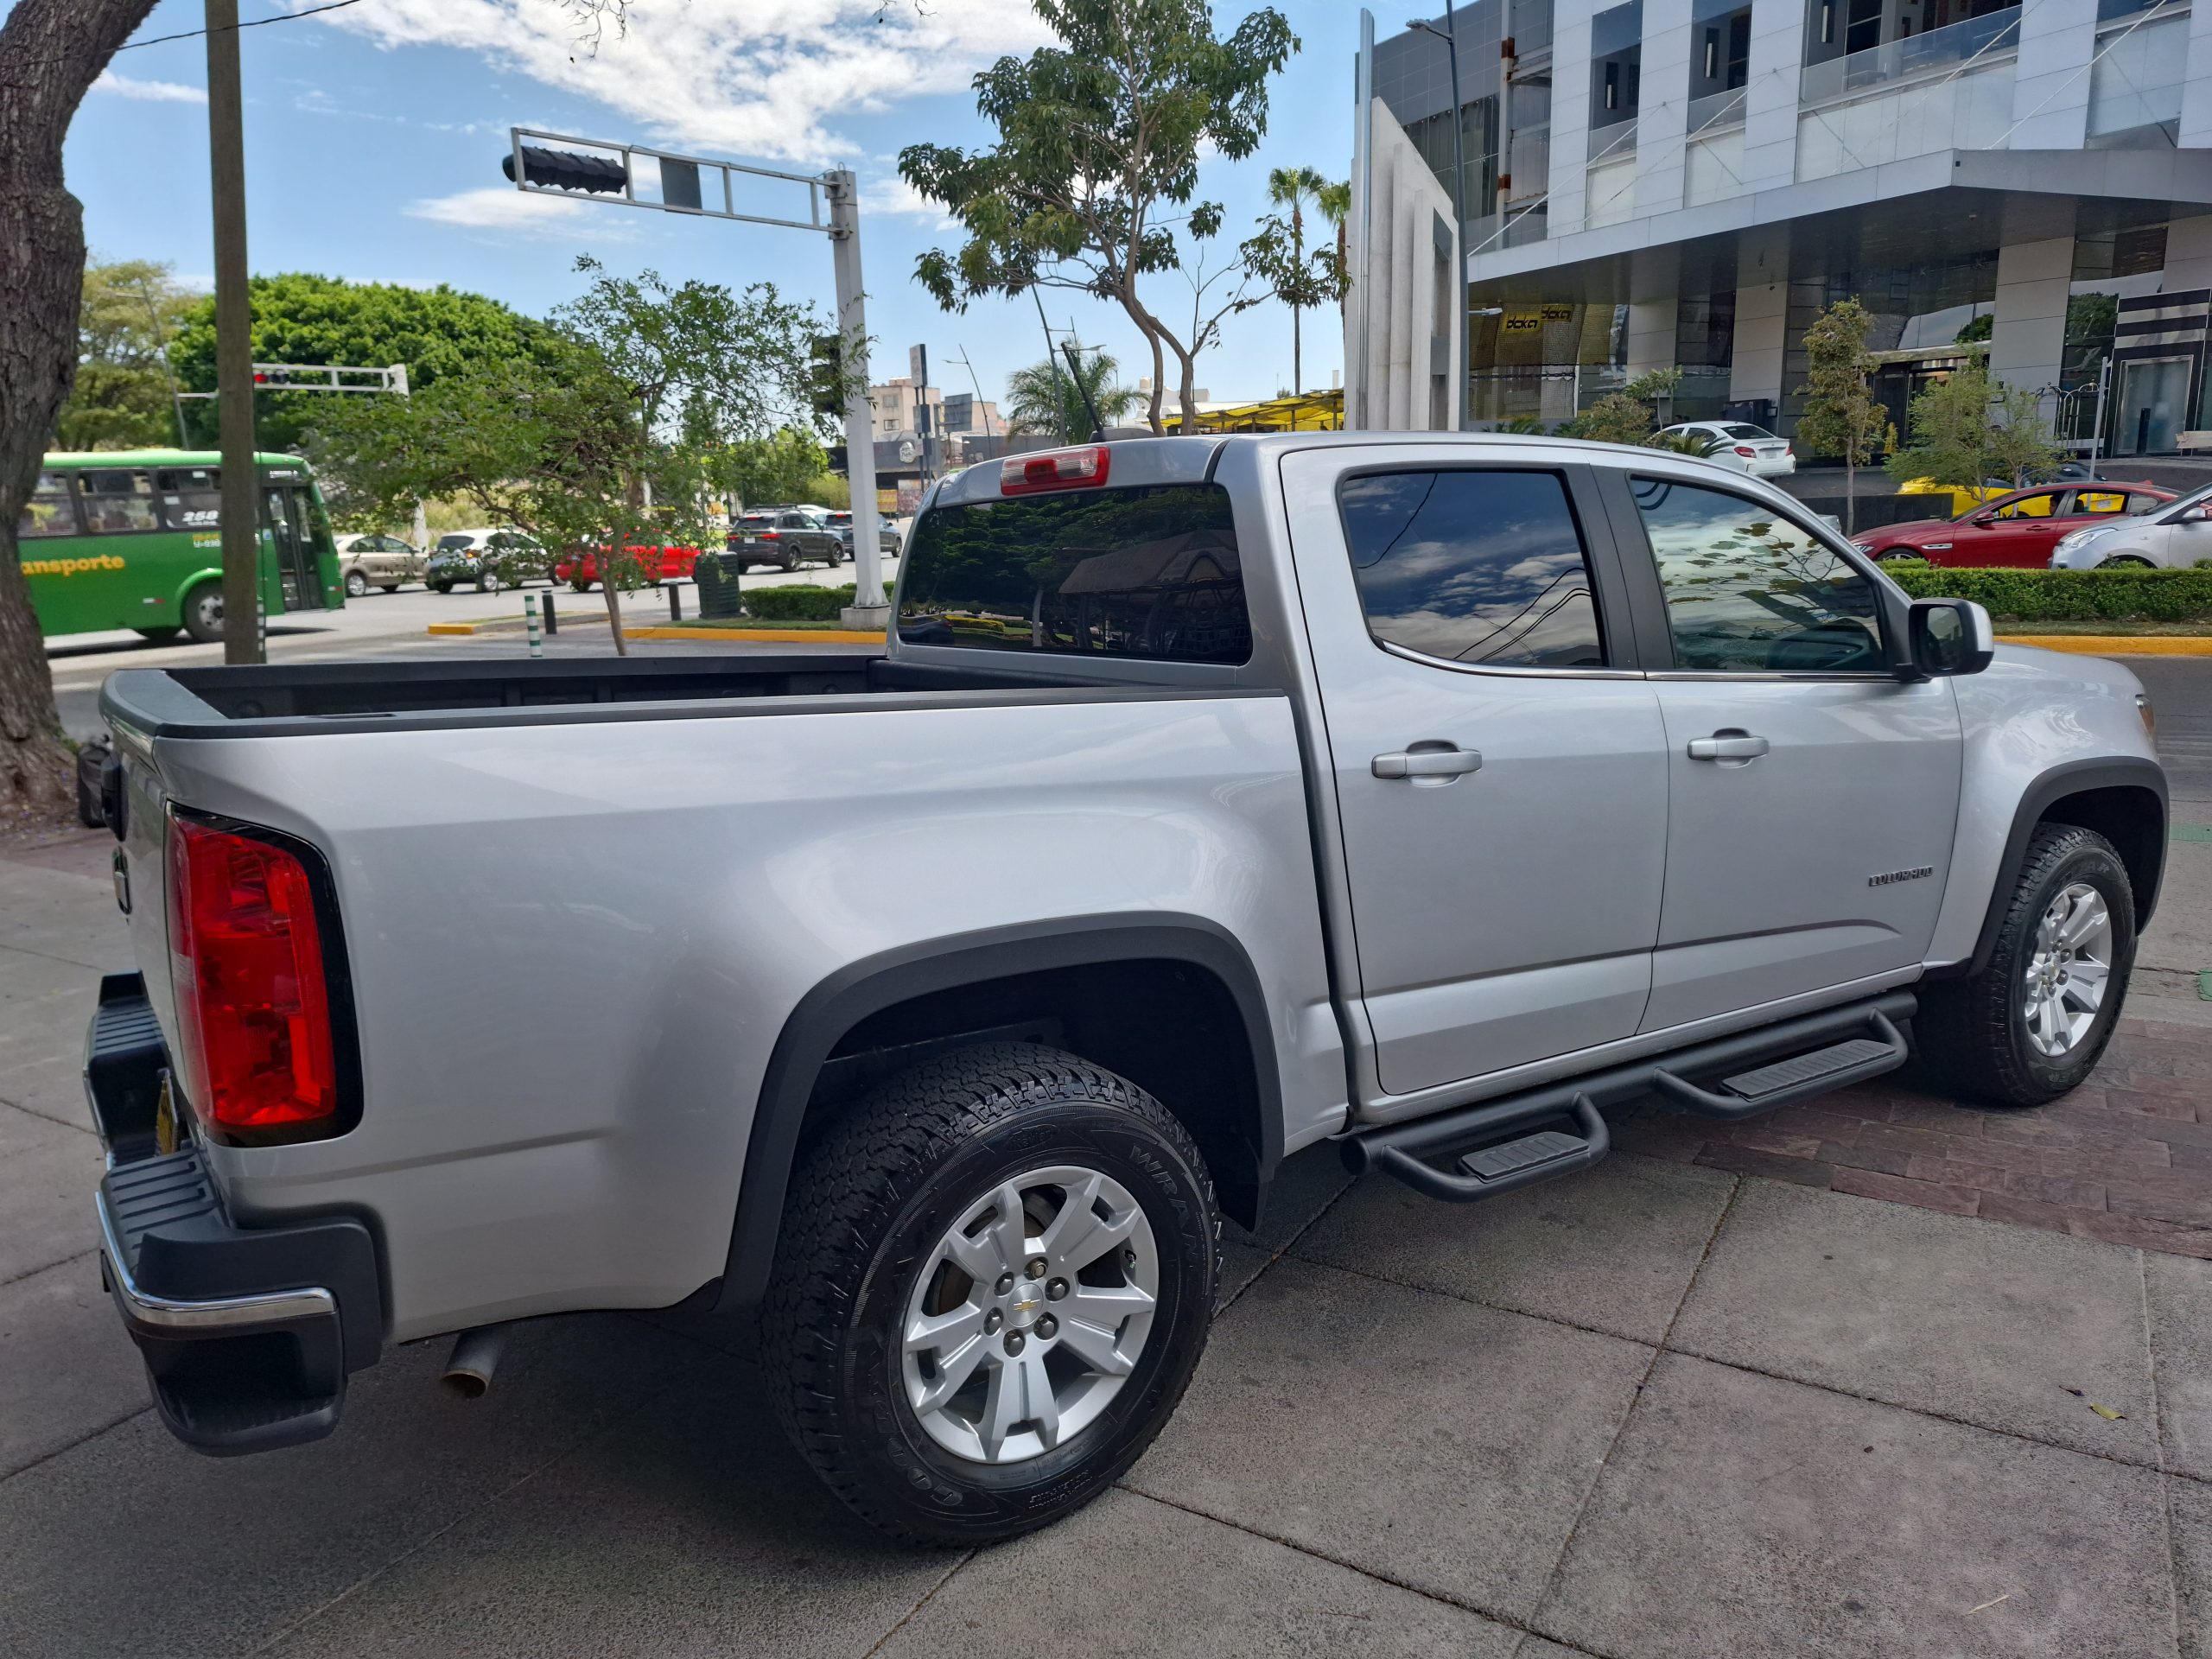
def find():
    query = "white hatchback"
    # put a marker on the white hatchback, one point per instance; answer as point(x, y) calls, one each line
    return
point(1746, 447)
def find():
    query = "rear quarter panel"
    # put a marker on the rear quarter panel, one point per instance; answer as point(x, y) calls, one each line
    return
point(573, 945)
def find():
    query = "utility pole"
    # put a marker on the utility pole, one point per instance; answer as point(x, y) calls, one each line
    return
point(241, 507)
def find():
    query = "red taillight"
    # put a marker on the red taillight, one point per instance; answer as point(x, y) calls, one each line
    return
point(1747, 449)
point(1056, 469)
point(245, 961)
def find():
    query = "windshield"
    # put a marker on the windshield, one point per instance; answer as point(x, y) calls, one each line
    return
point(454, 543)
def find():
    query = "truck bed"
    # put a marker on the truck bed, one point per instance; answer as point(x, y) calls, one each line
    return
point(295, 699)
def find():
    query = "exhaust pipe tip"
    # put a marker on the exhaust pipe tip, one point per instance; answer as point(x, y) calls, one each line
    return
point(475, 1357)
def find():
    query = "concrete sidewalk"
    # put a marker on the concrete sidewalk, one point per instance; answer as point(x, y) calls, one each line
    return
point(1664, 1410)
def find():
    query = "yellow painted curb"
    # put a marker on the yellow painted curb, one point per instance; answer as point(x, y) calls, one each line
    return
point(455, 627)
point(775, 636)
point(2116, 644)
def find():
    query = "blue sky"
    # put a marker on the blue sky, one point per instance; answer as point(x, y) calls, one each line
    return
point(374, 134)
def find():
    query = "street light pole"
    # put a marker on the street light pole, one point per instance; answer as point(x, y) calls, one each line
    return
point(1450, 36)
point(868, 609)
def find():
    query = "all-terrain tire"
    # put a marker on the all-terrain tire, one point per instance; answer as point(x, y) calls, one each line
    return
point(869, 1201)
point(1972, 1032)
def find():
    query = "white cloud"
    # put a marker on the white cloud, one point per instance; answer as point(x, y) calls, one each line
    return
point(150, 92)
point(887, 192)
point(745, 78)
point(513, 213)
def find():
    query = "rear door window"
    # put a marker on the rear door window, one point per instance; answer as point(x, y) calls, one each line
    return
point(1152, 572)
point(1476, 566)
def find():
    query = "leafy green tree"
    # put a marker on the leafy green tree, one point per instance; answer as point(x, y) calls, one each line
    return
point(1966, 429)
point(327, 321)
point(1842, 417)
point(782, 467)
point(611, 433)
point(123, 397)
point(1097, 160)
point(1615, 418)
point(1043, 399)
point(1277, 256)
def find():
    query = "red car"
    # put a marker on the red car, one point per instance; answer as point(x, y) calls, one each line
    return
point(2018, 529)
point(676, 564)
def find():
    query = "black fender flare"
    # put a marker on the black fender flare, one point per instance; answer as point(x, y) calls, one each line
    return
point(846, 997)
point(2075, 778)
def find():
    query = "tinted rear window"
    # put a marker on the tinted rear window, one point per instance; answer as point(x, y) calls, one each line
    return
point(1757, 432)
point(1152, 572)
point(451, 544)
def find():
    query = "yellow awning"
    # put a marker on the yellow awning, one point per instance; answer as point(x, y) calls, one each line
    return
point(1310, 412)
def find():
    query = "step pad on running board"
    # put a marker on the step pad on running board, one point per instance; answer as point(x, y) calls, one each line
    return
point(1492, 1163)
point(1799, 1070)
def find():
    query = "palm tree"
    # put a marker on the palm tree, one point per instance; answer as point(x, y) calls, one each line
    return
point(1292, 187)
point(1042, 399)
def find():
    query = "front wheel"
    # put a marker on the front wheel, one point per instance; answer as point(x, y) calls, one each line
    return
point(357, 585)
point(2032, 1024)
point(487, 582)
point(2127, 561)
point(1897, 556)
point(203, 613)
point(994, 1281)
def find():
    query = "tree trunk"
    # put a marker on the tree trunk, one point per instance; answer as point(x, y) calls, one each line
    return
point(1850, 491)
point(1297, 363)
point(50, 52)
point(607, 586)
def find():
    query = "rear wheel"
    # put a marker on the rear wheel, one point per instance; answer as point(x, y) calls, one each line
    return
point(1896, 555)
point(994, 1281)
point(487, 582)
point(203, 613)
point(357, 585)
point(2033, 1023)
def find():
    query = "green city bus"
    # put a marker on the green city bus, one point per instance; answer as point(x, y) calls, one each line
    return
point(133, 539)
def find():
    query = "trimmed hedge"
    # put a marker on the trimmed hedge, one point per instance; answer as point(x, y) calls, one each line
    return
point(2131, 595)
point(800, 602)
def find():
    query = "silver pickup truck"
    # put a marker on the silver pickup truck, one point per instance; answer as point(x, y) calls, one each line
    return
point(1214, 798)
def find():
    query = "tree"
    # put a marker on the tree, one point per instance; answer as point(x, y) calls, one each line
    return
point(1965, 431)
point(1276, 257)
point(782, 467)
point(1099, 147)
point(123, 397)
point(609, 434)
point(1629, 414)
point(1842, 417)
point(1335, 203)
point(1043, 399)
point(50, 52)
point(324, 321)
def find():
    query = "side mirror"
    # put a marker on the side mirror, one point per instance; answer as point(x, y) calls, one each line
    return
point(1950, 636)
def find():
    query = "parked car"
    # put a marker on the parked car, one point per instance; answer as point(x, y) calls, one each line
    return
point(487, 559)
point(785, 537)
point(1742, 446)
point(1961, 499)
point(655, 563)
point(886, 534)
point(383, 561)
point(2173, 537)
point(968, 985)
point(2019, 529)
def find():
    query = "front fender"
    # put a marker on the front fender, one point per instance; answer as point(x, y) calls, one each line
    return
point(2037, 726)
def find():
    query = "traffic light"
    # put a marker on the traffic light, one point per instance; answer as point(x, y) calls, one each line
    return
point(567, 169)
point(827, 375)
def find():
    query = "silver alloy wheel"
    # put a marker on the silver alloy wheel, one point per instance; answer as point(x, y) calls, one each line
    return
point(1030, 1314)
point(2065, 984)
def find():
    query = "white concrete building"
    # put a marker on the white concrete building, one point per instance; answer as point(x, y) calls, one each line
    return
point(1690, 182)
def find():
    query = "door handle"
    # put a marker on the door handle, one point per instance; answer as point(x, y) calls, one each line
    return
point(1427, 763)
point(1728, 746)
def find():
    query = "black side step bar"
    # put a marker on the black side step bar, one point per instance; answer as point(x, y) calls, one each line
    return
point(1778, 1064)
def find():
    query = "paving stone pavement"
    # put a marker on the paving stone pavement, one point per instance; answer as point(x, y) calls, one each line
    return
point(1671, 1406)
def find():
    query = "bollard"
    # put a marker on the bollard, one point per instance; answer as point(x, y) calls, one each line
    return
point(552, 623)
point(530, 623)
point(675, 603)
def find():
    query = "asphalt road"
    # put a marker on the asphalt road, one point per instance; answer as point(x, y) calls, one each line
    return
point(2181, 692)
